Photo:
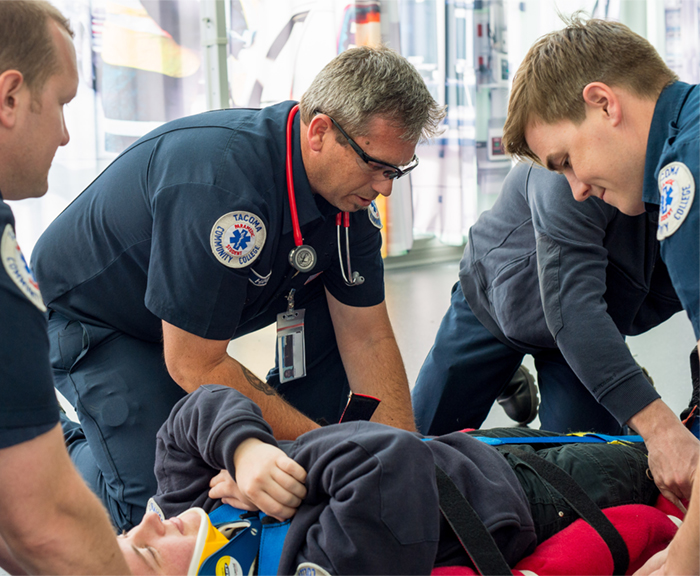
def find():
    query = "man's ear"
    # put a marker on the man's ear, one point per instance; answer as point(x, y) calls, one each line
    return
point(11, 82)
point(602, 97)
point(318, 131)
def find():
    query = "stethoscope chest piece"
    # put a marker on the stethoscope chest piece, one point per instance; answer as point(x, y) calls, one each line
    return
point(303, 258)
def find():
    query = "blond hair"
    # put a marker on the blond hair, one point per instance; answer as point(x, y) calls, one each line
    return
point(25, 44)
point(548, 86)
point(362, 83)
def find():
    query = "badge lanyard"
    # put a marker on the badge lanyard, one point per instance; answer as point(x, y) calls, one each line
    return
point(291, 351)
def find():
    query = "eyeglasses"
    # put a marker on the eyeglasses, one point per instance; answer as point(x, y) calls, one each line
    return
point(390, 171)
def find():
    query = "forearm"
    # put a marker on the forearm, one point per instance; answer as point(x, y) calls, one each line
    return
point(287, 423)
point(193, 361)
point(51, 521)
point(673, 450)
point(684, 550)
point(7, 560)
point(372, 360)
point(591, 343)
point(376, 368)
point(86, 544)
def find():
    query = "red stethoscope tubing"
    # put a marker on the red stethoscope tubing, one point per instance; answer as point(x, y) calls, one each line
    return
point(341, 218)
point(298, 240)
point(351, 279)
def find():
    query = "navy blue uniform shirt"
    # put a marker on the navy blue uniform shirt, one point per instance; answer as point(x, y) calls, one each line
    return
point(191, 225)
point(28, 405)
point(671, 175)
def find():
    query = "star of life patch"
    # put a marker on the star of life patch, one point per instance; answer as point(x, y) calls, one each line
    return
point(17, 268)
point(229, 566)
point(237, 238)
point(152, 506)
point(677, 190)
point(310, 569)
point(374, 216)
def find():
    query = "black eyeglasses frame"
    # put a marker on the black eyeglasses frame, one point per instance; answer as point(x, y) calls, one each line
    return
point(394, 172)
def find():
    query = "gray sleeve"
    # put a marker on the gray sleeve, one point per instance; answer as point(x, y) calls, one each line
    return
point(572, 263)
point(198, 440)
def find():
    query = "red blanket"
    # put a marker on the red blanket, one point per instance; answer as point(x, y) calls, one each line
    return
point(579, 550)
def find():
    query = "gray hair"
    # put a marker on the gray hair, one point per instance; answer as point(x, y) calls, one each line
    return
point(363, 83)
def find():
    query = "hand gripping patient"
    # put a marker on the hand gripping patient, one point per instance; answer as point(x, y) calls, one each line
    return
point(362, 497)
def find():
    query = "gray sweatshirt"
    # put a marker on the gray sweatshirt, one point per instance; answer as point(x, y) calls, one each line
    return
point(542, 270)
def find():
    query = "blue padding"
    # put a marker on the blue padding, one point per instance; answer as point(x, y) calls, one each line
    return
point(271, 545)
point(226, 513)
point(243, 547)
point(587, 439)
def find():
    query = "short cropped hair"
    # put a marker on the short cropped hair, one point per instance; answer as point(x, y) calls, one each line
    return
point(548, 86)
point(363, 83)
point(26, 44)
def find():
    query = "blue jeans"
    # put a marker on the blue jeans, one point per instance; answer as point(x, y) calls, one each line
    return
point(468, 368)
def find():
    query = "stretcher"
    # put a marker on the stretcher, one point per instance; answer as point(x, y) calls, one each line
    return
point(576, 550)
point(616, 540)
point(579, 549)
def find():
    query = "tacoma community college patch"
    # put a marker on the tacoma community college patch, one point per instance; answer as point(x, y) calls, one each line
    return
point(17, 268)
point(237, 238)
point(677, 190)
point(374, 216)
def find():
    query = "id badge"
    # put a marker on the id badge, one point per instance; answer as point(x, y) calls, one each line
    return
point(290, 345)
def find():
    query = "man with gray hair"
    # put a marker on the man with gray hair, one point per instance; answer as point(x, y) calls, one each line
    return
point(219, 224)
point(50, 522)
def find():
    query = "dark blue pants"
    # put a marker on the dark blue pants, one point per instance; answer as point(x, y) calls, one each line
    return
point(122, 392)
point(468, 368)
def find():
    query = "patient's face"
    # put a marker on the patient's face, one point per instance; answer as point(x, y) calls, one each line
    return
point(156, 547)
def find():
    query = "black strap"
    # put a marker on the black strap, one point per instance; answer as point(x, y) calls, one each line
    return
point(580, 502)
point(470, 530)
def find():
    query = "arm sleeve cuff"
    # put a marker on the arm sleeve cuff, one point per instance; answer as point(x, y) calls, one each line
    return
point(629, 397)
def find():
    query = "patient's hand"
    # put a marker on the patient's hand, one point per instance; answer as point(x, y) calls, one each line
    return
point(269, 479)
point(224, 488)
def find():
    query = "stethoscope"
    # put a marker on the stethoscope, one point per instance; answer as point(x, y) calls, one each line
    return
point(303, 257)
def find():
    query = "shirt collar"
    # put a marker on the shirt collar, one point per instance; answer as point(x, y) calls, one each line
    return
point(667, 110)
point(310, 206)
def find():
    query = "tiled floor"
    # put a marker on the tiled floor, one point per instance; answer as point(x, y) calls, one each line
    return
point(417, 298)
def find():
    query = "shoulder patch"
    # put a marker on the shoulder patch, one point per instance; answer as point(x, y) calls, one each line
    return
point(152, 506)
point(677, 190)
point(374, 217)
point(17, 268)
point(229, 566)
point(237, 238)
point(310, 569)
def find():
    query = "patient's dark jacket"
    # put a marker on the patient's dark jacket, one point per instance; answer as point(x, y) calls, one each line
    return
point(372, 501)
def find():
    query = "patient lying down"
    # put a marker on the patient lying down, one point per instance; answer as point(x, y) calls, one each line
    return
point(362, 496)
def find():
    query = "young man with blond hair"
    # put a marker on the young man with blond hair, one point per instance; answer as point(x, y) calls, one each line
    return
point(50, 522)
point(596, 102)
